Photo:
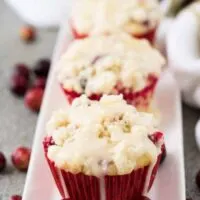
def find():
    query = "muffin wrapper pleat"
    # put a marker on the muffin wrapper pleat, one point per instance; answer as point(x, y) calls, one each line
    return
point(142, 99)
point(149, 35)
point(84, 187)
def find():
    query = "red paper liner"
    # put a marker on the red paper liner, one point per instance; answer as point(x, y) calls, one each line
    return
point(140, 99)
point(150, 35)
point(83, 187)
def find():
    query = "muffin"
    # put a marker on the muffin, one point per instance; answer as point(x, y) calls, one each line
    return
point(113, 64)
point(103, 149)
point(139, 18)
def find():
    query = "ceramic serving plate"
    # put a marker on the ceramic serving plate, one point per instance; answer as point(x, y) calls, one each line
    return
point(170, 182)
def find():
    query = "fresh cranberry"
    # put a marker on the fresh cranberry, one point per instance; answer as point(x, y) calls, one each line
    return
point(20, 158)
point(2, 162)
point(42, 68)
point(40, 82)
point(198, 179)
point(33, 99)
point(18, 85)
point(22, 70)
point(28, 33)
point(15, 197)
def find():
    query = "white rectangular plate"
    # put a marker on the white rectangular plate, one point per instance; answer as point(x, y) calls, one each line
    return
point(170, 182)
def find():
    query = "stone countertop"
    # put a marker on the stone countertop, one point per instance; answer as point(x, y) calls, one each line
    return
point(17, 124)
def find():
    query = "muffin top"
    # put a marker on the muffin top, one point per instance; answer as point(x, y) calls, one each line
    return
point(108, 16)
point(99, 63)
point(101, 137)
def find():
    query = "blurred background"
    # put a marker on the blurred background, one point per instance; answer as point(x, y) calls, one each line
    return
point(31, 47)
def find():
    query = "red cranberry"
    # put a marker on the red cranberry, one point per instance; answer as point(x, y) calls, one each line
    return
point(198, 179)
point(2, 162)
point(33, 99)
point(15, 197)
point(18, 85)
point(28, 33)
point(42, 68)
point(20, 158)
point(40, 83)
point(22, 70)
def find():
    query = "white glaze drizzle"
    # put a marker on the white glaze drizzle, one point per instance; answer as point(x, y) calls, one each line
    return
point(150, 170)
point(102, 187)
point(63, 184)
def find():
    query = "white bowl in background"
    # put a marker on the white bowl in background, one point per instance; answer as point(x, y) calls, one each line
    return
point(41, 13)
point(183, 50)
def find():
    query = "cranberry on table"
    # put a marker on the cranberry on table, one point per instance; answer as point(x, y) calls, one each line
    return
point(18, 85)
point(20, 158)
point(2, 162)
point(28, 33)
point(22, 70)
point(198, 179)
point(40, 82)
point(42, 67)
point(15, 197)
point(33, 99)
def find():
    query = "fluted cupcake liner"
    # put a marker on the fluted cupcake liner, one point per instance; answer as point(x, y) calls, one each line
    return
point(121, 187)
point(140, 99)
point(150, 35)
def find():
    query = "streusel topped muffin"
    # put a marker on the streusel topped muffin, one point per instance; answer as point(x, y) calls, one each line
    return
point(101, 64)
point(136, 17)
point(106, 137)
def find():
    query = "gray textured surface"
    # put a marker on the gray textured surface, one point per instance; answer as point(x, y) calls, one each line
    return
point(192, 154)
point(17, 124)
